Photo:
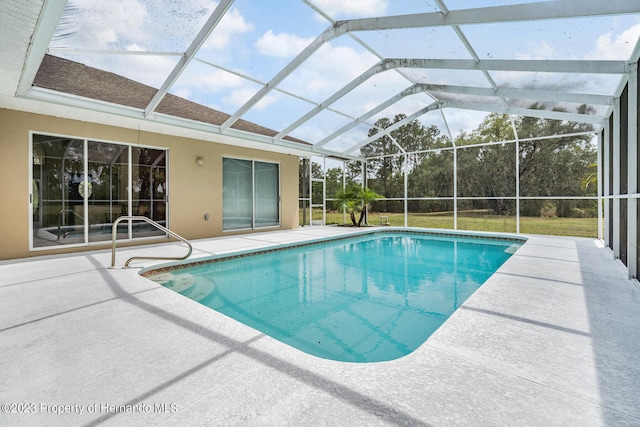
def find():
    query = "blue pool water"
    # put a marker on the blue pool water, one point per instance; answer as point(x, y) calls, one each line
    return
point(371, 298)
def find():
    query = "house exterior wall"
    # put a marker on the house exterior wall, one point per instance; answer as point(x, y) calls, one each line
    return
point(193, 190)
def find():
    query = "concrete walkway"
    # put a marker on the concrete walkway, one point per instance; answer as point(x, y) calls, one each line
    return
point(552, 339)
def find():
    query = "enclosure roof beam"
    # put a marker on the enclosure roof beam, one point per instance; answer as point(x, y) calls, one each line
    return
point(327, 35)
point(407, 92)
point(45, 28)
point(488, 15)
point(377, 68)
point(380, 67)
point(570, 66)
point(394, 126)
point(191, 51)
point(59, 51)
point(511, 13)
point(538, 95)
point(520, 65)
point(469, 90)
point(467, 44)
point(635, 55)
point(528, 112)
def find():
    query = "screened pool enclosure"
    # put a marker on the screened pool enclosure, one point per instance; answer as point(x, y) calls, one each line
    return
point(499, 115)
point(511, 185)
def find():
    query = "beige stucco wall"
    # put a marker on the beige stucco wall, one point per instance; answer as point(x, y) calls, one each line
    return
point(193, 190)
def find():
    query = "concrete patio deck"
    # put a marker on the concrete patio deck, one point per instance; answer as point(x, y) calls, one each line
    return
point(552, 339)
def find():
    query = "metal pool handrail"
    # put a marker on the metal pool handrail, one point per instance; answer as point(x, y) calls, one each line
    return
point(155, 224)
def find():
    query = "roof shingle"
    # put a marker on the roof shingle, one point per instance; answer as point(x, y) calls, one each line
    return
point(63, 75)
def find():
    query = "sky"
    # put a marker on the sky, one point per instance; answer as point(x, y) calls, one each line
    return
point(142, 40)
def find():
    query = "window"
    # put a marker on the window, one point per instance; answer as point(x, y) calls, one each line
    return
point(251, 194)
point(80, 187)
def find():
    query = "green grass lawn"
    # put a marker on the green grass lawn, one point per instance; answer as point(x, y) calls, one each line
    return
point(483, 221)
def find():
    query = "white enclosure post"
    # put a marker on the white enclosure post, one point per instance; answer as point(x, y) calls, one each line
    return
point(310, 191)
point(606, 147)
point(455, 187)
point(632, 176)
point(517, 145)
point(616, 178)
point(600, 169)
point(344, 187)
point(406, 194)
point(455, 171)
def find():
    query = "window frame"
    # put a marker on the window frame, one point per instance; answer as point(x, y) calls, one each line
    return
point(87, 242)
point(253, 225)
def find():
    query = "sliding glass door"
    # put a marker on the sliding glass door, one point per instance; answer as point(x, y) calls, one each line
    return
point(251, 194)
point(149, 188)
point(80, 187)
point(57, 183)
point(107, 180)
point(267, 194)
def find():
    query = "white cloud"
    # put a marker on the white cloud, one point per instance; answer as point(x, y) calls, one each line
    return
point(232, 23)
point(619, 48)
point(150, 70)
point(281, 45)
point(361, 8)
point(182, 92)
point(214, 81)
point(133, 48)
point(241, 95)
point(328, 70)
point(540, 49)
point(267, 101)
point(204, 85)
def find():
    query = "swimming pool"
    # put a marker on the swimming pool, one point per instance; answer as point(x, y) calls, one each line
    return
point(370, 298)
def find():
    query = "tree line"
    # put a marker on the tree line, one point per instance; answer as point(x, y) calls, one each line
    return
point(547, 167)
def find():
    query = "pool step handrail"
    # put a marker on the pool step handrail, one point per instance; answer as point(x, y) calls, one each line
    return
point(114, 233)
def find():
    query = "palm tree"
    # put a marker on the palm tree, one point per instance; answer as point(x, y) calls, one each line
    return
point(356, 199)
point(347, 200)
point(366, 196)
